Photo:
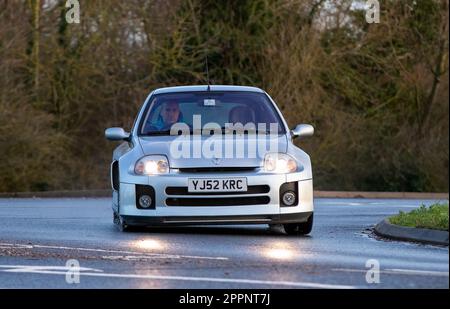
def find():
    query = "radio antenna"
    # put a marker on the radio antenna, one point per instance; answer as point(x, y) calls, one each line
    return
point(207, 73)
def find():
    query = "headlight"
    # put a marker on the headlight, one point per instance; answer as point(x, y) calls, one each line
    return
point(279, 163)
point(152, 165)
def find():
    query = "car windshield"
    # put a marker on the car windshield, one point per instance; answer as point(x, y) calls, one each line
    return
point(243, 112)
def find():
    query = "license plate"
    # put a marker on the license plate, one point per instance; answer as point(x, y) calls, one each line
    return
point(217, 184)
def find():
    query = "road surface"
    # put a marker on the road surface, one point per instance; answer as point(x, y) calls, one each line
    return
point(42, 241)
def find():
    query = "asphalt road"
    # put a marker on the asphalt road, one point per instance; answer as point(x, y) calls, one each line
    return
point(39, 237)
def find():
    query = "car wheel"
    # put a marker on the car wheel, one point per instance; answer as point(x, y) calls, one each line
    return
point(299, 228)
point(121, 225)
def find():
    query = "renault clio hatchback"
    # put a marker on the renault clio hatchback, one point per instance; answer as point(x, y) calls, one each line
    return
point(211, 155)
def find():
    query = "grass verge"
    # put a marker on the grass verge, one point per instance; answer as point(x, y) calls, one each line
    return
point(434, 217)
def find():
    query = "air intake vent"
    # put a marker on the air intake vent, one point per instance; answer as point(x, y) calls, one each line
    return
point(216, 169)
point(221, 201)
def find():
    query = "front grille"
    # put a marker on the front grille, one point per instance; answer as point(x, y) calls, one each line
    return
point(221, 201)
point(250, 190)
point(215, 169)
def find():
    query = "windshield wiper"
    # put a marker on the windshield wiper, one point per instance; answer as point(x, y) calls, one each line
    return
point(157, 133)
point(225, 129)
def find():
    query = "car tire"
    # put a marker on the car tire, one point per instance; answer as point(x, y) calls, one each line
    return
point(299, 228)
point(118, 221)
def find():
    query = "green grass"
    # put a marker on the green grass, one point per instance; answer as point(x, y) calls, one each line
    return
point(434, 217)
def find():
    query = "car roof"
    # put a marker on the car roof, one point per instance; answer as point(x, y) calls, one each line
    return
point(203, 88)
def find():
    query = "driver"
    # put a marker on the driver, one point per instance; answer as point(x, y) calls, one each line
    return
point(169, 115)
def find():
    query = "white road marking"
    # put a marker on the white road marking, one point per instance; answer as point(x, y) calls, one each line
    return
point(33, 268)
point(419, 272)
point(130, 257)
point(396, 271)
point(52, 270)
point(368, 204)
point(124, 252)
point(15, 246)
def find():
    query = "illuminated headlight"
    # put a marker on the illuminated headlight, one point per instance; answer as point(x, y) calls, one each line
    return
point(279, 163)
point(152, 165)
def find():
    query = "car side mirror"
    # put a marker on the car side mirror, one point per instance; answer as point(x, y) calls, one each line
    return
point(302, 130)
point(116, 134)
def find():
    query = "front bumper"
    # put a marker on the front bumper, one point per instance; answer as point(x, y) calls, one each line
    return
point(222, 220)
point(124, 201)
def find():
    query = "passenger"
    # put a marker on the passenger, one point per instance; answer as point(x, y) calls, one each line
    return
point(241, 114)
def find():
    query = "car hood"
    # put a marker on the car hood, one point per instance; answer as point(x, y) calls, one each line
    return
point(165, 145)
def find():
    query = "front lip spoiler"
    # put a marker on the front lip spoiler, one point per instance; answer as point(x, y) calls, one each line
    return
point(217, 220)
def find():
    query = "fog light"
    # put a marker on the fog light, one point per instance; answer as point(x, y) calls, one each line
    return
point(145, 201)
point(289, 198)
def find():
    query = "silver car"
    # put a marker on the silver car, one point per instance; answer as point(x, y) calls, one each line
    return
point(211, 155)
